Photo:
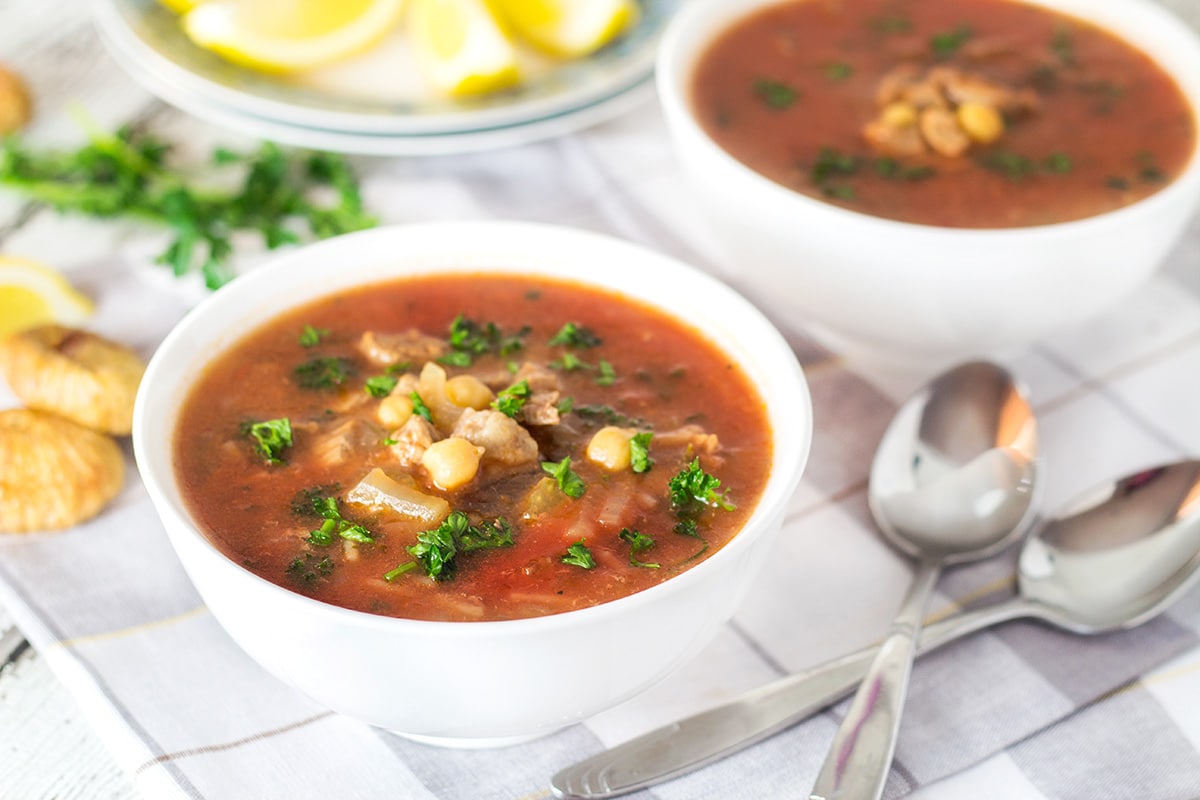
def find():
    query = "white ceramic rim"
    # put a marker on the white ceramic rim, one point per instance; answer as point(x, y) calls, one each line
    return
point(1176, 50)
point(788, 460)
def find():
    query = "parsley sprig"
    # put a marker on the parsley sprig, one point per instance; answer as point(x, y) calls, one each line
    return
point(335, 524)
point(127, 174)
point(570, 483)
point(270, 437)
point(437, 549)
point(692, 488)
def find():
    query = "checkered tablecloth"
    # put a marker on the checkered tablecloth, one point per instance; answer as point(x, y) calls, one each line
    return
point(1021, 711)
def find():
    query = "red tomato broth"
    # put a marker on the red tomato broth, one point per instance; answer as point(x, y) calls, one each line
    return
point(667, 374)
point(1121, 120)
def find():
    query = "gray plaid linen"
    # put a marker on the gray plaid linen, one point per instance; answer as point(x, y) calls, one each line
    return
point(1020, 711)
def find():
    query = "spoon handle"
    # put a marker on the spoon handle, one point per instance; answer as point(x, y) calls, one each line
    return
point(692, 742)
point(860, 757)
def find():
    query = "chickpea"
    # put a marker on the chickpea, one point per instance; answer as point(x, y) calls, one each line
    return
point(469, 392)
point(898, 115)
point(609, 448)
point(452, 462)
point(394, 410)
point(981, 122)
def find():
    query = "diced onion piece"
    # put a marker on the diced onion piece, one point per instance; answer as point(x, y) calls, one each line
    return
point(609, 448)
point(431, 386)
point(467, 391)
point(452, 462)
point(378, 492)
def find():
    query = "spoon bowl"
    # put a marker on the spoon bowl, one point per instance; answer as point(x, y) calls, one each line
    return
point(1111, 559)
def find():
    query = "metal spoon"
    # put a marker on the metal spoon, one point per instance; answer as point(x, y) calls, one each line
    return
point(952, 481)
point(1111, 559)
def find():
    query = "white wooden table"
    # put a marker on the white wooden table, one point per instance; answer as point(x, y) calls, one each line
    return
point(46, 747)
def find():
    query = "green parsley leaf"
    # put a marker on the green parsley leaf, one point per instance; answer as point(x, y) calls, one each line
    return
point(335, 524)
point(455, 359)
point(775, 95)
point(833, 163)
point(572, 334)
point(837, 71)
point(436, 550)
point(308, 569)
point(509, 401)
point(381, 385)
point(579, 555)
point(688, 527)
point(392, 574)
point(1062, 46)
point(639, 452)
point(323, 373)
point(606, 415)
point(565, 405)
point(945, 44)
point(607, 375)
point(692, 487)
point(570, 483)
point(311, 337)
point(270, 437)
point(419, 407)
point(638, 543)
point(569, 363)
point(1057, 164)
point(469, 338)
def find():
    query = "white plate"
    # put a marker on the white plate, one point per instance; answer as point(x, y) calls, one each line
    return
point(377, 94)
point(392, 144)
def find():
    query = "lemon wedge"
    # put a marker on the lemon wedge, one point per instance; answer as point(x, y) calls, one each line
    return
point(33, 294)
point(181, 6)
point(290, 35)
point(569, 28)
point(462, 47)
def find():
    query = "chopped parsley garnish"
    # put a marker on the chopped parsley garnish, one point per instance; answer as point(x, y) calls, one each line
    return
point(687, 526)
point(578, 555)
point(335, 525)
point(397, 369)
point(638, 543)
point(1017, 167)
point(566, 405)
point(1057, 163)
point(381, 385)
point(270, 438)
point(1116, 182)
point(392, 574)
point(639, 452)
point(509, 401)
point(774, 94)
point(311, 337)
point(607, 415)
point(469, 339)
point(573, 334)
point(1062, 46)
point(323, 373)
point(436, 550)
point(892, 170)
point(570, 483)
point(838, 71)
point(1149, 171)
point(308, 502)
point(692, 487)
point(606, 375)
point(308, 569)
point(419, 407)
point(569, 363)
point(833, 163)
point(946, 44)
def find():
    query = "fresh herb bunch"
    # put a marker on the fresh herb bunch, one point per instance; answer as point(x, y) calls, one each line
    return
point(126, 174)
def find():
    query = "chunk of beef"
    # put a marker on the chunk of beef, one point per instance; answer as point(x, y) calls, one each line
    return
point(344, 440)
point(412, 439)
point(502, 438)
point(411, 346)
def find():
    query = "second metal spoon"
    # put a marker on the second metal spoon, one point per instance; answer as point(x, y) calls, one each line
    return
point(1111, 559)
